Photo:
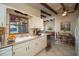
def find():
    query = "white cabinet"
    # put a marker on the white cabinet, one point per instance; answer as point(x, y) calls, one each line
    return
point(42, 42)
point(2, 15)
point(37, 46)
point(19, 49)
point(30, 48)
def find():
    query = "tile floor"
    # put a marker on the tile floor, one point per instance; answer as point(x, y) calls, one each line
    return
point(58, 50)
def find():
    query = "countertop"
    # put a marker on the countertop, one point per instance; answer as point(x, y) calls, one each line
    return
point(20, 40)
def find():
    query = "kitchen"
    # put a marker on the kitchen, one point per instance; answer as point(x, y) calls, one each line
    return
point(23, 32)
point(18, 32)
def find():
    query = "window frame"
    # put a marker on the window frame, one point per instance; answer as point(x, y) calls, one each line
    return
point(18, 25)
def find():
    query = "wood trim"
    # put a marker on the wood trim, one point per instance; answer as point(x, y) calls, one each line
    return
point(63, 6)
point(20, 13)
point(48, 7)
point(45, 13)
point(20, 17)
point(76, 5)
point(43, 16)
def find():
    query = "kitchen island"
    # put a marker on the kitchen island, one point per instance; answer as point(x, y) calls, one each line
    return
point(25, 46)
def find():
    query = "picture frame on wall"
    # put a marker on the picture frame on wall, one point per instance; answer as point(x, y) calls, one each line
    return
point(65, 26)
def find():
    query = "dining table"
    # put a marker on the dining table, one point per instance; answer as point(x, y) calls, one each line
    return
point(66, 38)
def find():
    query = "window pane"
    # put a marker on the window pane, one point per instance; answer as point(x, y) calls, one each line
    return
point(24, 28)
point(13, 29)
point(18, 24)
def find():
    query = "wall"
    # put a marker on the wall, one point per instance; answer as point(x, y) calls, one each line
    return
point(49, 24)
point(70, 18)
point(25, 8)
point(35, 20)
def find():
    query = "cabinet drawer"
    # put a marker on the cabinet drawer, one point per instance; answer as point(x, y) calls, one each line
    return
point(19, 45)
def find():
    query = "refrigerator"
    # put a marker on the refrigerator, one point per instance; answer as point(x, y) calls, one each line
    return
point(77, 37)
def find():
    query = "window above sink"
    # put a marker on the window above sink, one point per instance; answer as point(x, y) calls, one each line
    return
point(18, 24)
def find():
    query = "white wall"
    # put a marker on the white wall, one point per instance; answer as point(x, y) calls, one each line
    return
point(70, 18)
point(58, 19)
point(25, 8)
point(49, 24)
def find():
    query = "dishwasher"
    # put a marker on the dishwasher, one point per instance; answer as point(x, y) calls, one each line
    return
point(6, 51)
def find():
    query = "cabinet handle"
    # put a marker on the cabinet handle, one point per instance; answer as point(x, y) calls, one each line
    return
point(27, 48)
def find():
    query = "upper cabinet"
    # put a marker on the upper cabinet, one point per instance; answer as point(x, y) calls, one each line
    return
point(36, 22)
point(2, 15)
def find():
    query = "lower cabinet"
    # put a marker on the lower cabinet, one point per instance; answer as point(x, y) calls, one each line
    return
point(30, 48)
point(19, 50)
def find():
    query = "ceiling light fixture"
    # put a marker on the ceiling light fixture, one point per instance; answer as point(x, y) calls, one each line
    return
point(64, 14)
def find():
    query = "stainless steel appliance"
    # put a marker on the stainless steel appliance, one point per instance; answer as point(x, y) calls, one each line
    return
point(6, 51)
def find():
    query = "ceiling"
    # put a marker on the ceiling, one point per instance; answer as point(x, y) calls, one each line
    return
point(57, 7)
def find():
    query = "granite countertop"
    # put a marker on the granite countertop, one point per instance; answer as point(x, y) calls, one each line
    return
point(20, 40)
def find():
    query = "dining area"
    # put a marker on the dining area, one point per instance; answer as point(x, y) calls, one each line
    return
point(65, 38)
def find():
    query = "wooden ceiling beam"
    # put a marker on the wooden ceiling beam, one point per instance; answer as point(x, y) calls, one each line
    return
point(76, 5)
point(63, 6)
point(43, 16)
point(45, 13)
point(48, 7)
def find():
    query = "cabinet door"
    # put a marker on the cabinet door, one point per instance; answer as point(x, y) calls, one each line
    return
point(2, 15)
point(28, 48)
point(19, 50)
point(32, 49)
point(37, 46)
point(44, 41)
